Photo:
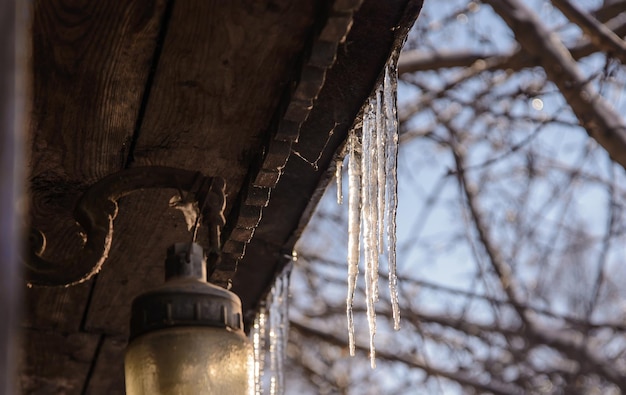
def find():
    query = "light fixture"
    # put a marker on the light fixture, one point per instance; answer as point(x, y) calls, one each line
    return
point(187, 335)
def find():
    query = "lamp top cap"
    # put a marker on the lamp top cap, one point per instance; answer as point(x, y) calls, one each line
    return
point(186, 298)
point(185, 260)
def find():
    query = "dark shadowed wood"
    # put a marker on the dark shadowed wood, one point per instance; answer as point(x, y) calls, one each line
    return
point(60, 309)
point(107, 377)
point(218, 82)
point(91, 62)
point(56, 363)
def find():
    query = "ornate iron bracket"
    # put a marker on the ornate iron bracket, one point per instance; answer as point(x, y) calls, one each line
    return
point(97, 208)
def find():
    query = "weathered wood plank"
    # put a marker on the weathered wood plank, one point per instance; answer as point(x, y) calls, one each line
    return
point(222, 70)
point(107, 377)
point(55, 363)
point(59, 309)
point(90, 61)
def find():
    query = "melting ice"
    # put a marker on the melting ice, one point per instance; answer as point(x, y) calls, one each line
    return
point(272, 323)
point(372, 200)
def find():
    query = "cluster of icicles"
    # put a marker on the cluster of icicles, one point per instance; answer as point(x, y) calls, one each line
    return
point(372, 200)
point(272, 323)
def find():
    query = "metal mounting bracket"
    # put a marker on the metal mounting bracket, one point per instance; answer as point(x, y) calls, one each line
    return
point(97, 208)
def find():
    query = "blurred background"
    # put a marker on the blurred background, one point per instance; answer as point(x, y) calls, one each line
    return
point(510, 220)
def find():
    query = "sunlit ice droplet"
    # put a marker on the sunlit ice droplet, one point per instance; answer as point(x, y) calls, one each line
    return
point(462, 18)
point(537, 104)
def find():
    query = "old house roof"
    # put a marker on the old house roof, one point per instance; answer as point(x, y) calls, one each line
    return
point(225, 88)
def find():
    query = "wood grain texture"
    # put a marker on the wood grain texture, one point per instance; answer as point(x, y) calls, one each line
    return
point(56, 363)
point(220, 76)
point(107, 377)
point(90, 65)
point(57, 308)
point(223, 68)
point(91, 61)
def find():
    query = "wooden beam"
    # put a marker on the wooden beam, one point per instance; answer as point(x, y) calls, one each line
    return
point(107, 376)
point(221, 73)
point(91, 61)
point(56, 363)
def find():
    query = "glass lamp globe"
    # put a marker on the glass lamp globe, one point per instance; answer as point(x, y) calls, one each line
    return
point(187, 335)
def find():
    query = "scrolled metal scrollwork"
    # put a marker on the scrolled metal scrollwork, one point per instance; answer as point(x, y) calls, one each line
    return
point(97, 208)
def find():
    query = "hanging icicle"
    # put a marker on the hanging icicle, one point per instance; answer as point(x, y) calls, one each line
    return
point(354, 226)
point(372, 200)
point(258, 334)
point(279, 331)
point(339, 178)
point(369, 216)
point(390, 105)
point(271, 325)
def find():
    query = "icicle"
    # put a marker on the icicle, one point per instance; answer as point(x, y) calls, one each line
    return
point(258, 334)
point(390, 87)
point(284, 325)
point(381, 137)
point(369, 211)
point(279, 330)
point(370, 199)
point(274, 340)
point(354, 227)
point(272, 322)
point(339, 178)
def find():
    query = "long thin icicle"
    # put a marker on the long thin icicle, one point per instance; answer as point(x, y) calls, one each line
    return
point(354, 227)
point(272, 322)
point(339, 178)
point(258, 334)
point(390, 87)
point(279, 330)
point(381, 137)
point(369, 213)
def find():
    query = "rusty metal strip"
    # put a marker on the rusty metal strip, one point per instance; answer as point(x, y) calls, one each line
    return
point(302, 99)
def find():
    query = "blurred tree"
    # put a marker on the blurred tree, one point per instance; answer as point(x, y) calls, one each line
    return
point(512, 214)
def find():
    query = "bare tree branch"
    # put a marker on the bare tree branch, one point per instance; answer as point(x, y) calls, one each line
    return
point(510, 274)
point(609, 9)
point(496, 259)
point(599, 34)
point(418, 60)
point(574, 346)
point(593, 112)
point(493, 387)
